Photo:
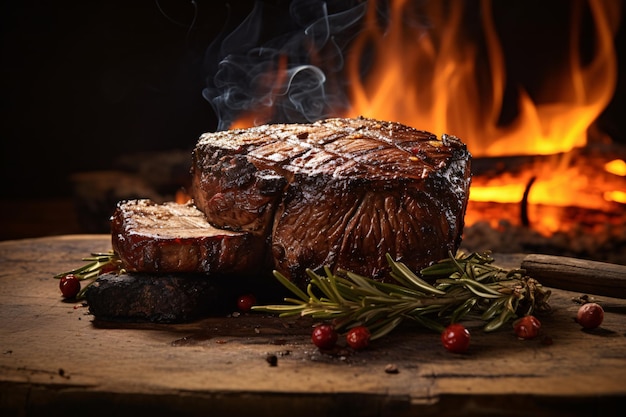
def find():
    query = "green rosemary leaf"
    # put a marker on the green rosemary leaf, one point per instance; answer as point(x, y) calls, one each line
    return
point(76, 271)
point(401, 269)
point(479, 293)
point(291, 286)
point(364, 284)
point(485, 272)
point(496, 323)
point(493, 309)
point(463, 309)
point(398, 291)
point(286, 313)
point(275, 308)
point(511, 303)
point(480, 258)
point(333, 289)
point(428, 323)
point(485, 290)
point(384, 328)
point(514, 272)
point(319, 282)
point(457, 263)
point(440, 269)
point(371, 314)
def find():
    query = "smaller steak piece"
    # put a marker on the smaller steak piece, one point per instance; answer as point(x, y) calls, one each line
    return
point(171, 237)
point(154, 298)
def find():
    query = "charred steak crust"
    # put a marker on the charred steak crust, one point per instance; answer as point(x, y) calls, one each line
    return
point(173, 237)
point(338, 192)
point(160, 298)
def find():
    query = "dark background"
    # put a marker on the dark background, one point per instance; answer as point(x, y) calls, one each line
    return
point(85, 82)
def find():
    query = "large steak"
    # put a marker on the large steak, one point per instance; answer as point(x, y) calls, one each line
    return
point(340, 193)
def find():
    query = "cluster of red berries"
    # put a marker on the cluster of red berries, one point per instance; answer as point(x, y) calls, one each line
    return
point(325, 336)
point(589, 316)
point(455, 337)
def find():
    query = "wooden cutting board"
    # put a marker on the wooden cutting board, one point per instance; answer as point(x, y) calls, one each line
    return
point(57, 360)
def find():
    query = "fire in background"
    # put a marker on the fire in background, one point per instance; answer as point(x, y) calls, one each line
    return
point(520, 82)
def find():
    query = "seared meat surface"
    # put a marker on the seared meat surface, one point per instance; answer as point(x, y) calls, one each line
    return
point(159, 298)
point(339, 192)
point(172, 237)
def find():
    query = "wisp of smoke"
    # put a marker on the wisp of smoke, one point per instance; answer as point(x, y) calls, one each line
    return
point(282, 66)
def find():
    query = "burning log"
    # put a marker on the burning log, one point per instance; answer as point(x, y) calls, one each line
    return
point(577, 180)
point(567, 204)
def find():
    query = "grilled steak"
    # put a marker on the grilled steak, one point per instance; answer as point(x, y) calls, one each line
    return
point(340, 193)
point(172, 237)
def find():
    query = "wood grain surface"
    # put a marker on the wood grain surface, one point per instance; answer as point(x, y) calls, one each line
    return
point(55, 359)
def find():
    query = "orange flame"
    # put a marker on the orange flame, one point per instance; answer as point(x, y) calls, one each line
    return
point(429, 79)
point(617, 167)
point(182, 197)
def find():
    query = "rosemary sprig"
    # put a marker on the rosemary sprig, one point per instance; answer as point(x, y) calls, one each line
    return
point(97, 263)
point(448, 291)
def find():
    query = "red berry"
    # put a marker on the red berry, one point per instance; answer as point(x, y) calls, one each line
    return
point(245, 302)
point(456, 338)
point(324, 336)
point(527, 327)
point(358, 337)
point(69, 285)
point(590, 315)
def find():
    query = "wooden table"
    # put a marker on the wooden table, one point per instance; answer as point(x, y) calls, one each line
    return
point(57, 360)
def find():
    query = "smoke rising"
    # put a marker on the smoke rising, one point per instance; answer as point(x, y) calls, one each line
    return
point(282, 65)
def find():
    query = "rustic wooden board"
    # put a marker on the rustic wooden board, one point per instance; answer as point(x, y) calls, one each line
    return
point(55, 359)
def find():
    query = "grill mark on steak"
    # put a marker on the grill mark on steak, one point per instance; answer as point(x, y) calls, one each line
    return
point(350, 151)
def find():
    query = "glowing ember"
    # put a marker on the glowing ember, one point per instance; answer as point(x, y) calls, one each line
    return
point(617, 167)
point(617, 196)
point(182, 197)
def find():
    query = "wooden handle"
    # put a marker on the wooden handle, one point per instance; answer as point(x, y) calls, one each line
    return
point(590, 277)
